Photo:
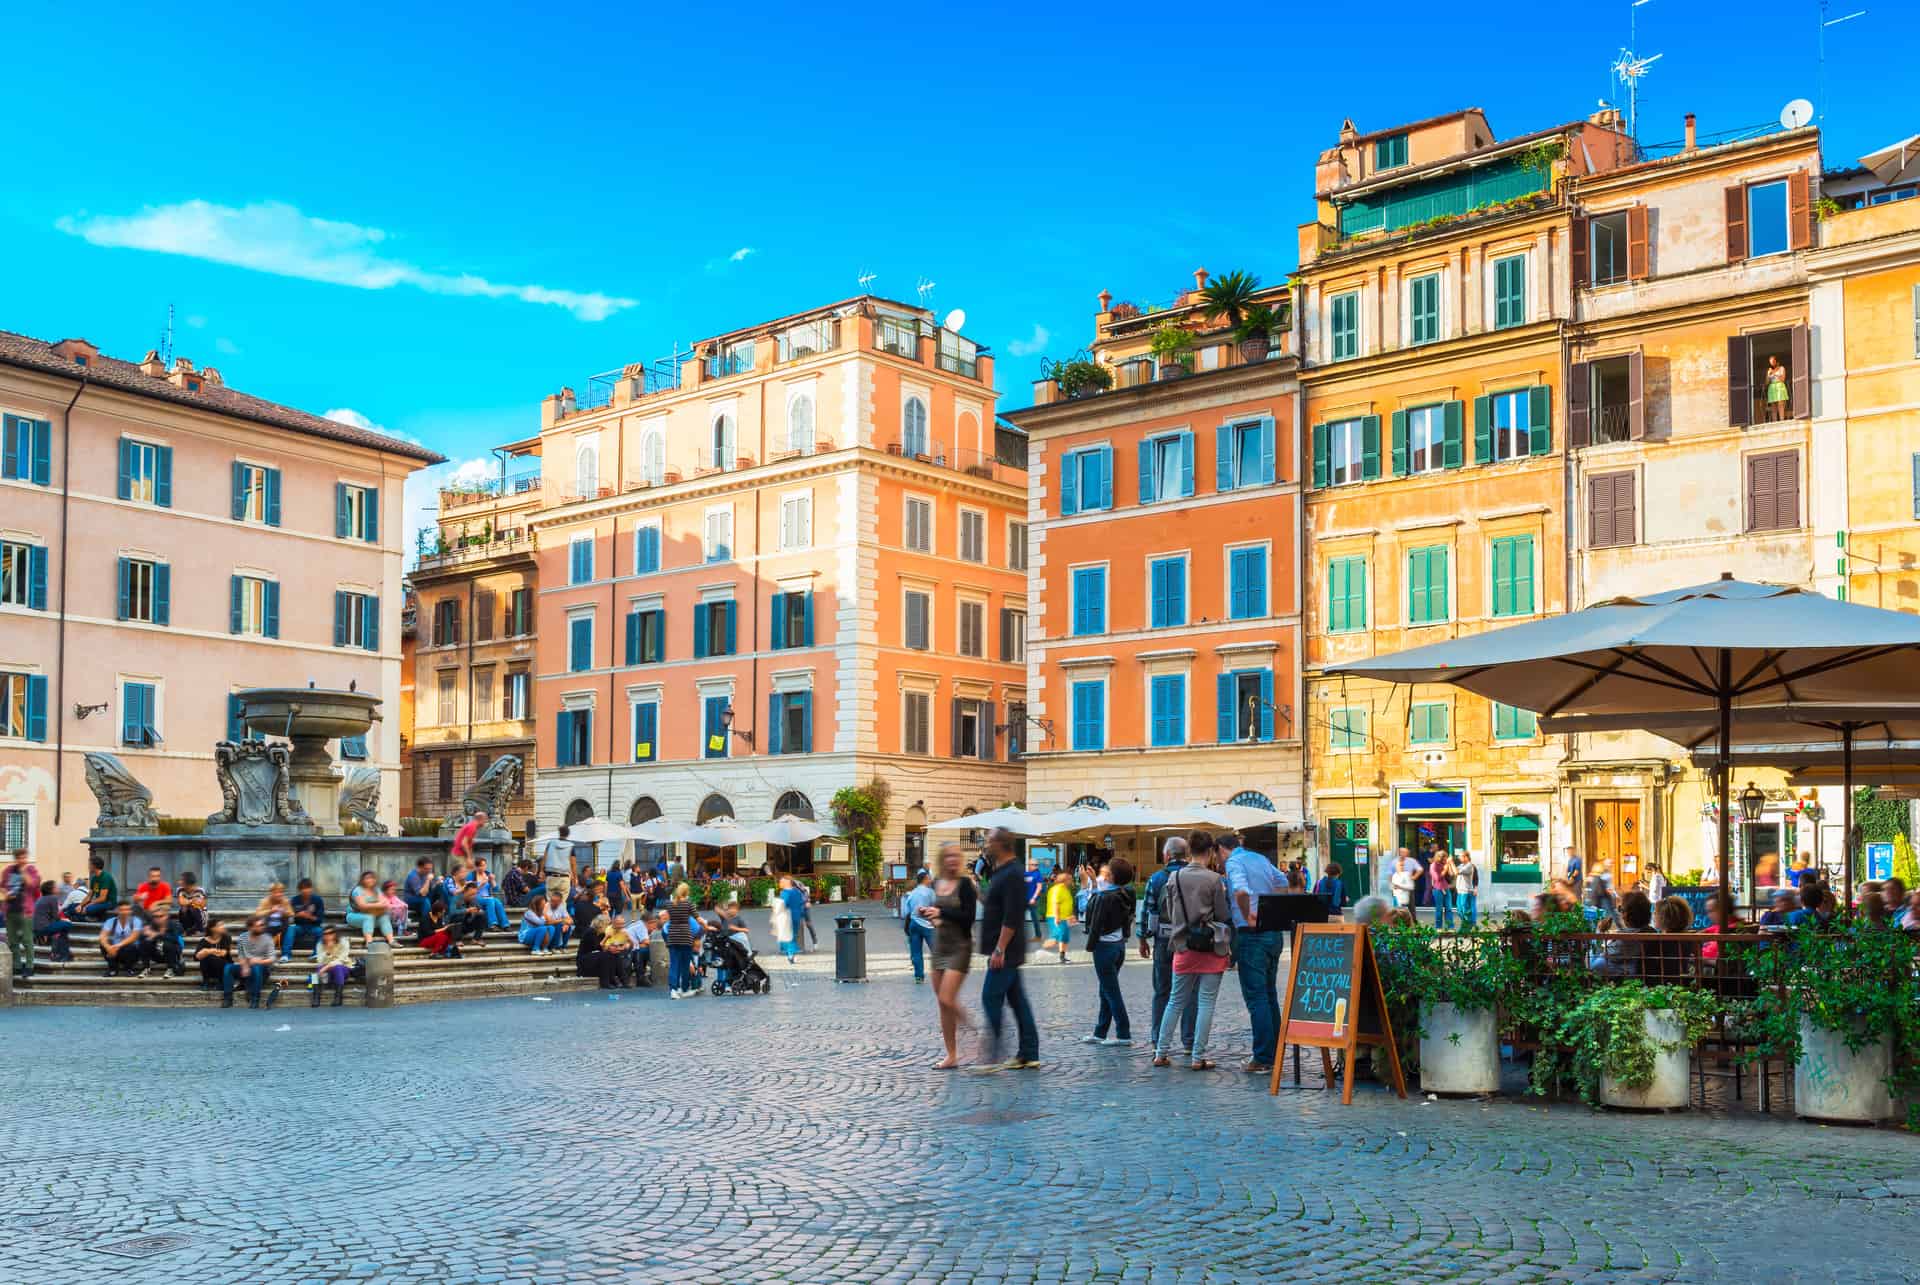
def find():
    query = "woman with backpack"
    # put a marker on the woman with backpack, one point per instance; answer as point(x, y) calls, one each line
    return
point(1193, 906)
point(1108, 915)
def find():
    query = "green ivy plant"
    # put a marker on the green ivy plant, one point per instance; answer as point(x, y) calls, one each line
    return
point(861, 814)
point(1172, 343)
point(1541, 156)
point(1604, 1033)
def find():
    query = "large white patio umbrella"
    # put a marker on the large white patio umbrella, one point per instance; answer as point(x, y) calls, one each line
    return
point(1017, 820)
point(791, 831)
point(1712, 647)
point(1241, 816)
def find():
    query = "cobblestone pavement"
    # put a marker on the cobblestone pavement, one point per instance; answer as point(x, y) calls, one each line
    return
point(800, 1137)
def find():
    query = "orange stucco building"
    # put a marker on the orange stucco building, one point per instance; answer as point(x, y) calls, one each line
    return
point(1164, 661)
point(790, 562)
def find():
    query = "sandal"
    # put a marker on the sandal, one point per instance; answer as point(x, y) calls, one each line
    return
point(1204, 1064)
point(1161, 1061)
point(946, 1066)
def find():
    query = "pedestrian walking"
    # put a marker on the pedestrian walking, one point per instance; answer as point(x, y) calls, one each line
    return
point(1403, 879)
point(1156, 935)
point(1440, 886)
point(1575, 871)
point(1060, 913)
point(1250, 876)
point(918, 928)
point(1109, 917)
point(683, 928)
point(20, 890)
point(1331, 890)
point(951, 911)
point(1036, 884)
point(1466, 889)
point(803, 934)
point(1003, 940)
point(787, 906)
point(1197, 915)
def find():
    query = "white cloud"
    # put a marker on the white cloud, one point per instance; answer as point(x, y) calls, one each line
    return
point(1028, 347)
point(740, 254)
point(420, 497)
point(349, 416)
point(225, 346)
point(272, 236)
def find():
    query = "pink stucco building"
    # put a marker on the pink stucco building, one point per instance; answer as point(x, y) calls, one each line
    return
point(165, 541)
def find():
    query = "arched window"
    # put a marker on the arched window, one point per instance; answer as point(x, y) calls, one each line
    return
point(714, 805)
point(800, 422)
point(1091, 801)
point(577, 811)
point(644, 809)
point(1252, 799)
point(913, 427)
point(653, 457)
point(586, 469)
point(723, 454)
point(794, 804)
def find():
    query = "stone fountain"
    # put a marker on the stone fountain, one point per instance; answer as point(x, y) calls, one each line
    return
point(266, 784)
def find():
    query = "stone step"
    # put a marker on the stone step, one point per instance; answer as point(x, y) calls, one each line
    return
point(168, 991)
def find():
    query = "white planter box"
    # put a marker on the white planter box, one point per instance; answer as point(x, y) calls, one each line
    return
point(1832, 1082)
point(835, 893)
point(1669, 1090)
point(1459, 1050)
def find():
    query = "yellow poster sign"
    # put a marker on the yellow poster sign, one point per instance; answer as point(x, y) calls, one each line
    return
point(716, 743)
point(643, 750)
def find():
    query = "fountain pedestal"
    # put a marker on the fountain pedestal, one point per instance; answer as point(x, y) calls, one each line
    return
point(310, 717)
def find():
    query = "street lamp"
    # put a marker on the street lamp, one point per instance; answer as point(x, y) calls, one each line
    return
point(726, 726)
point(1752, 803)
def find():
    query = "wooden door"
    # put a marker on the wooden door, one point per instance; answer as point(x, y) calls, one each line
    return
point(1613, 841)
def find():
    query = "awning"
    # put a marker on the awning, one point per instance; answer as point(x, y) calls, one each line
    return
point(1520, 823)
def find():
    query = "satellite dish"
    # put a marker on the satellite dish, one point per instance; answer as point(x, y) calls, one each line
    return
point(1795, 114)
point(955, 320)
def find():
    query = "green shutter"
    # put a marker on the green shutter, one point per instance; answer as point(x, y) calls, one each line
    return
point(270, 595)
point(1370, 447)
point(1539, 420)
point(1483, 429)
point(236, 588)
point(1453, 446)
point(1321, 436)
point(1399, 443)
point(239, 490)
point(340, 515)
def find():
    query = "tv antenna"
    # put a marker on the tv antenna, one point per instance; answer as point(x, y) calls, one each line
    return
point(1629, 67)
point(166, 340)
point(866, 278)
point(1826, 22)
point(925, 289)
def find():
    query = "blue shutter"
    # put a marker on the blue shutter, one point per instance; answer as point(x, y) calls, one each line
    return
point(36, 707)
point(239, 490)
point(732, 613)
point(130, 714)
point(806, 722)
point(126, 472)
point(339, 618)
point(235, 588)
point(340, 515)
point(774, 702)
point(562, 741)
point(1266, 704)
point(1223, 458)
point(163, 476)
point(13, 446)
point(777, 632)
point(806, 619)
point(353, 747)
point(42, 453)
point(236, 730)
point(125, 595)
point(1266, 451)
point(370, 607)
point(700, 611)
point(1069, 485)
point(1106, 477)
point(273, 497)
point(1146, 470)
point(271, 592)
point(1223, 689)
point(633, 637)
point(659, 637)
point(37, 577)
point(1186, 462)
point(370, 516)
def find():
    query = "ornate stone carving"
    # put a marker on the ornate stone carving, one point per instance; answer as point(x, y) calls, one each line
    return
point(125, 804)
point(254, 785)
point(499, 783)
point(360, 799)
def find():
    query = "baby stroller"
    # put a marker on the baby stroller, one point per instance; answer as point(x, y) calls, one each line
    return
point(736, 972)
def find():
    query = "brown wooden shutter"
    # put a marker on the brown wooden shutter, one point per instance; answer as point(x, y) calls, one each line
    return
point(1739, 380)
point(988, 735)
point(483, 612)
point(1579, 386)
point(1801, 373)
point(1762, 493)
point(1786, 490)
point(1625, 526)
point(1637, 395)
point(1600, 510)
point(1637, 267)
point(1580, 247)
point(1799, 211)
point(1736, 223)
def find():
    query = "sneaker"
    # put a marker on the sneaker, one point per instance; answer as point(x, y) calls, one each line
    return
point(1091, 1039)
point(1117, 1043)
point(273, 996)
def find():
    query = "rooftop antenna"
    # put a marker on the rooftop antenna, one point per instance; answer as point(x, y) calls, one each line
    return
point(925, 289)
point(1826, 22)
point(866, 278)
point(166, 340)
point(1629, 67)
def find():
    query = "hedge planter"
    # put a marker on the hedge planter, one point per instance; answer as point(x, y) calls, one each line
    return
point(1834, 1082)
point(1669, 1090)
point(1459, 1050)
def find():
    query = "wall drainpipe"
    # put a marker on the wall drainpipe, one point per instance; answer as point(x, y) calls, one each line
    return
point(60, 644)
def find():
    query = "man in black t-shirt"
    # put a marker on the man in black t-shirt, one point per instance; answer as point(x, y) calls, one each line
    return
point(1003, 940)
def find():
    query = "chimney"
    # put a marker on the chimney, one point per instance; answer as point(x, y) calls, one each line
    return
point(1199, 278)
point(210, 375)
point(1692, 134)
point(151, 363)
point(183, 375)
point(1106, 300)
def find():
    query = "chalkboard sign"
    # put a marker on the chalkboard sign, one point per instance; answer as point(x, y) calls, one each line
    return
point(1334, 1001)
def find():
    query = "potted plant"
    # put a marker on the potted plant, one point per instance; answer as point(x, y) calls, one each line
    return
point(1172, 350)
point(1080, 377)
point(1626, 1044)
point(1231, 296)
point(1255, 332)
point(1457, 985)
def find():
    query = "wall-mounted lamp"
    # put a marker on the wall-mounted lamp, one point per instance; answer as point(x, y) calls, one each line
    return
point(1752, 802)
point(726, 725)
point(81, 711)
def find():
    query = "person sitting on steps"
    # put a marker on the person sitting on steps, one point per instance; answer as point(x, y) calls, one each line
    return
point(120, 941)
point(160, 944)
point(253, 958)
point(213, 955)
point(331, 968)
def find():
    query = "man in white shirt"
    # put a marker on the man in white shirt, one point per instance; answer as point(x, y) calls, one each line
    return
point(556, 860)
point(1404, 877)
point(1250, 876)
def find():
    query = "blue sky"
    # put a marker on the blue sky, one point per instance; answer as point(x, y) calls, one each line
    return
point(432, 217)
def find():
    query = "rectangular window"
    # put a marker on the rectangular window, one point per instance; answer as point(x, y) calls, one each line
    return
point(483, 692)
point(1167, 588)
point(26, 450)
point(917, 610)
point(792, 623)
point(23, 575)
point(1426, 439)
point(1167, 702)
point(356, 620)
point(1423, 309)
point(1390, 153)
point(973, 535)
point(1767, 227)
point(256, 494)
point(714, 732)
point(1246, 583)
point(1090, 715)
point(580, 644)
point(1610, 508)
point(145, 590)
point(1511, 724)
point(446, 776)
point(1427, 723)
point(23, 706)
point(580, 559)
point(790, 723)
point(1607, 235)
point(1427, 584)
point(1016, 546)
point(1346, 453)
point(1773, 491)
point(518, 700)
point(1016, 731)
point(646, 637)
point(520, 613)
point(1510, 291)
point(1166, 467)
point(1614, 409)
point(356, 513)
point(446, 623)
point(1013, 636)
point(254, 608)
point(973, 628)
point(574, 746)
point(1512, 425)
point(139, 717)
point(796, 521)
point(1343, 325)
point(1511, 582)
point(714, 628)
point(1089, 607)
point(916, 723)
point(449, 699)
point(646, 731)
point(1086, 480)
point(1347, 728)
point(1346, 594)
point(719, 535)
point(146, 472)
point(646, 550)
point(1250, 717)
point(919, 524)
point(1244, 454)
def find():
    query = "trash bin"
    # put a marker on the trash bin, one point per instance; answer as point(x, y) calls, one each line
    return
point(849, 948)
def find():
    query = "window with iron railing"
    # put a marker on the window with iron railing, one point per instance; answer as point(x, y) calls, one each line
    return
point(808, 338)
point(958, 355)
point(897, 336)
point(734, 359)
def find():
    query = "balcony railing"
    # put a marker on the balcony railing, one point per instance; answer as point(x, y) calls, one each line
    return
point(974, 463)
point(436, 551)
point(492, 489)
point(807, 339)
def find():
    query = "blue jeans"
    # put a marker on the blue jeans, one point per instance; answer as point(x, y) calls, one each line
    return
point(1033, 914)
point(539, 936)
point(1194, 998)
point(1001, 989)
point(296, 936)
point(679, 968)
point(257, 975)
point(1469, 903)
point(1442, 908)
point(1107, 958)
point(918, 935)
point(1163, 990)
point(496, 911)
point(1259, 965)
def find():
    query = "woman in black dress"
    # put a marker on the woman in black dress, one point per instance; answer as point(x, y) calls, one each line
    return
point(952, 913)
